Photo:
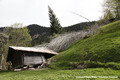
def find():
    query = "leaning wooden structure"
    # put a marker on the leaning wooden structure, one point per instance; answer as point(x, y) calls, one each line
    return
point(28, 56)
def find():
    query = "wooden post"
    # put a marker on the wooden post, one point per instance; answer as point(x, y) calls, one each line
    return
point(42, 59)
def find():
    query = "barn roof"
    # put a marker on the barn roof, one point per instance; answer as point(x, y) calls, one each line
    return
point(34, 49)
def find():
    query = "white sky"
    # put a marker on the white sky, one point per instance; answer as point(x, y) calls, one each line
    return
point(36, 11)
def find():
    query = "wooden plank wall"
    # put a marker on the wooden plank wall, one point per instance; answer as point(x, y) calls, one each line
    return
point(32, 59)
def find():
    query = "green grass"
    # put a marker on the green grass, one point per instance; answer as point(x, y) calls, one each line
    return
point(103, 47)
point(49, 74)
point(99, 50)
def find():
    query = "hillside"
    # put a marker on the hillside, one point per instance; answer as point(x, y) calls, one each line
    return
point(100, 50)
point(37, 29)
point(79, 26)
point(41, 34)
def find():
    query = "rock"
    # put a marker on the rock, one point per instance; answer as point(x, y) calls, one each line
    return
point(16, 70)
point(31, 68)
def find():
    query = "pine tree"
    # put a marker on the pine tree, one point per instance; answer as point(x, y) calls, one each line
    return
point(56, 28)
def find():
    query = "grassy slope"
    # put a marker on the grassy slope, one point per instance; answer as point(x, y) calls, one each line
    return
point(49, 74)
point(103, 47)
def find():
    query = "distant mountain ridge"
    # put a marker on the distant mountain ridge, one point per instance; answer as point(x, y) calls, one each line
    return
point(37, 29)
point(79, 26)
point(42, 34)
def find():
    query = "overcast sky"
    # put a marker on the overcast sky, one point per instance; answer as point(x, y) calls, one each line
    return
point(36, 11)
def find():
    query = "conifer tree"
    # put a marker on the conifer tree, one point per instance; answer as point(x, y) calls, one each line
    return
point(56, 28)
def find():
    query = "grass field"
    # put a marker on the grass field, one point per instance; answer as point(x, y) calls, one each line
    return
point(99, 50)
point(103, 47)
point(50, 74)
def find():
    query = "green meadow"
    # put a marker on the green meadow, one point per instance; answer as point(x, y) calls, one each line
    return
point(50, 74)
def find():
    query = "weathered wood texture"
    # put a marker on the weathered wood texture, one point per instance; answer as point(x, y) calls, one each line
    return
point(31, 59)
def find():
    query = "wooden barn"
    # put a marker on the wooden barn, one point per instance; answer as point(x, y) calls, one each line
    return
point(29, 56)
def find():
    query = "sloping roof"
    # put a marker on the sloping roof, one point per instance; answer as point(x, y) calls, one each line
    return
point(34, 49)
